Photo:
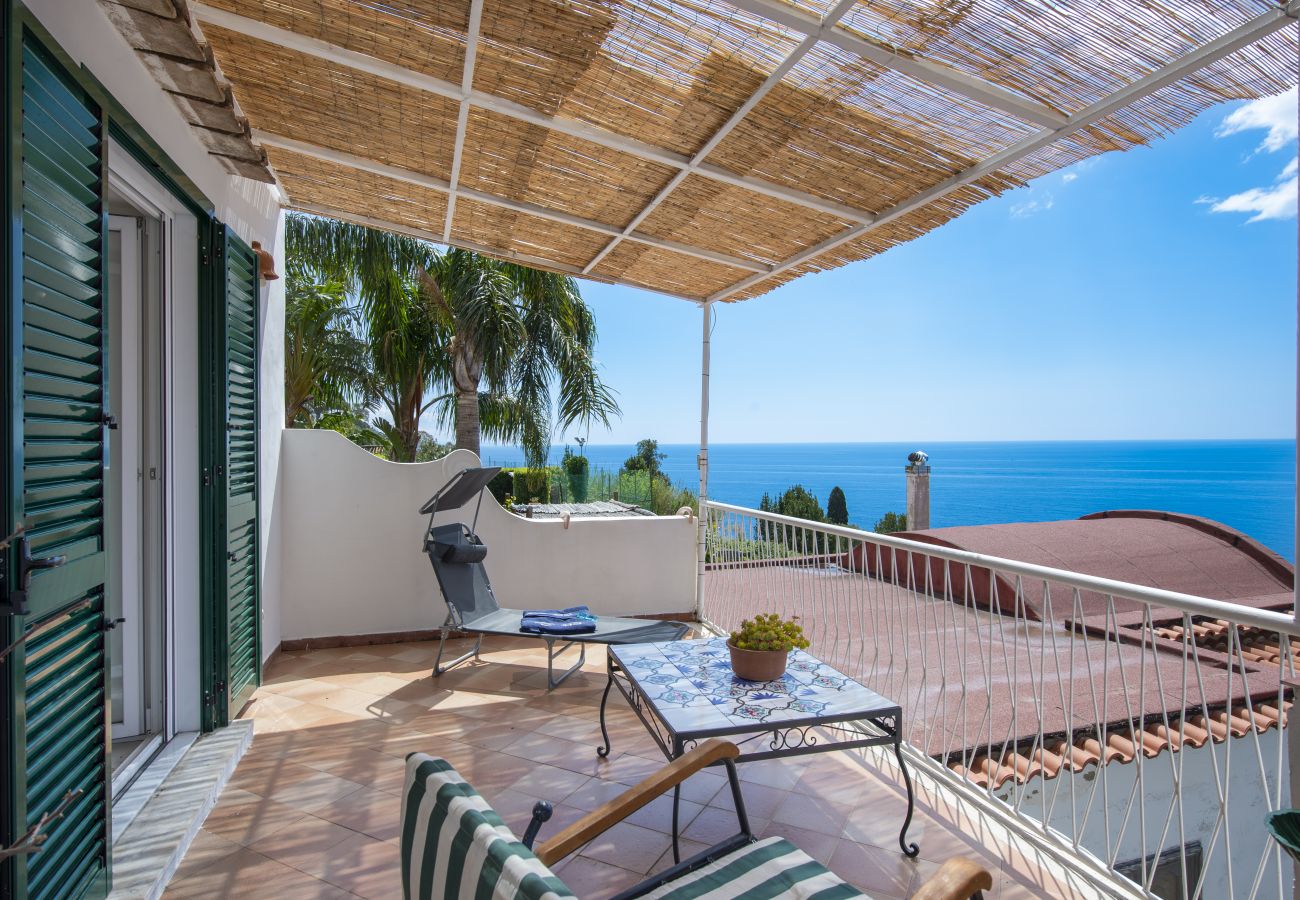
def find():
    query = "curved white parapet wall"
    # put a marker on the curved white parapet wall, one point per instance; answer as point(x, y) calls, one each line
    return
point(353, 563)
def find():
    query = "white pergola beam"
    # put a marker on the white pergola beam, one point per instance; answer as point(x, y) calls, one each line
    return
point(409, 176)
point(922, 70)
point(601, 137)
point(772, 80)
point(462, 115)
point(1242, 36)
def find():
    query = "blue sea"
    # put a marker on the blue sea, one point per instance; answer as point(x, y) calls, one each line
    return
point(1249, 485)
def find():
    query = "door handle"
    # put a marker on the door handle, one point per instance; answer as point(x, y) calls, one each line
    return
point(27, 565)
point(110, 623)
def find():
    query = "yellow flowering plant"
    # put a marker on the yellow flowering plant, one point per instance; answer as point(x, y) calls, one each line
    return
point(769, 632)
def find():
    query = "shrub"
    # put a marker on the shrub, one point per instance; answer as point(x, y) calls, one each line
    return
point(575, 469)
point(891, 522)
point(502, 486)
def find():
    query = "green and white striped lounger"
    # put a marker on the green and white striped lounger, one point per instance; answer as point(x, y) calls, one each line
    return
point(770, 868)
point(455, 846)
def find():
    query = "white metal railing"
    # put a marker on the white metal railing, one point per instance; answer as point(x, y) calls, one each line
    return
point(1137, 728)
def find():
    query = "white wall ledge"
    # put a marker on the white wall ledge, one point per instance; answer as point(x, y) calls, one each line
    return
point(353, 563)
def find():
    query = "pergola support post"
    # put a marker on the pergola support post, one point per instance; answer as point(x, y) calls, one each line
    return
point(701, 522)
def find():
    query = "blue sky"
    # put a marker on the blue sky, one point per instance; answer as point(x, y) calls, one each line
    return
point(1139, 295)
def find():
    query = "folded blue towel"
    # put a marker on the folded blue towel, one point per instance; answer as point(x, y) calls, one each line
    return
point(571, 620)
point(569, 612)
point(556, 626)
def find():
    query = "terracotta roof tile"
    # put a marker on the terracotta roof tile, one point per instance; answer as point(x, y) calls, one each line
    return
point(1122, 746)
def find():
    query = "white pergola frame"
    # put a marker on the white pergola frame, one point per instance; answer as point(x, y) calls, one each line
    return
point(1054, 127)
point(815, 30)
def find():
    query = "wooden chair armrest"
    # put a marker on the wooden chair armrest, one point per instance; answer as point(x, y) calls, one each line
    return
point(628, 802)
point(957, 879)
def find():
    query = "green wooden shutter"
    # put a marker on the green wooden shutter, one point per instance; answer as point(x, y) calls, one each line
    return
point(55, 698)
point(233, 616)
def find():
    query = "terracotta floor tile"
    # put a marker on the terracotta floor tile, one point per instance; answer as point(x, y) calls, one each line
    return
point(206, 848)
point(367, 867)
point(370, 812)
point(872, 870)
point(549, 782)
point(570, 728)
point(820, 847)
point(369, 768)
point(558, 752)
point(628, 846)
point(304, 844)
point(713, 825)
point(247, 873)
point(812, 813)
point(760, 800)
point(686, 849)
point(777, 773)
point(591, 878)
point(595, 792)
point(657, 815)
point(318, 794)
point(244, 817)
point(314, 791)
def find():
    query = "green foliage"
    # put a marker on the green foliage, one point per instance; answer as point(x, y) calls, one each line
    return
point(535, 484)
point(890, 523)
point(574, 464)
point(502, 486)
point(575, 468)
point(483, 343)
point(837, 508)
point(769, 632)
point(798, 503)
point(429, 449)
point(647, 457)
point(324, 358)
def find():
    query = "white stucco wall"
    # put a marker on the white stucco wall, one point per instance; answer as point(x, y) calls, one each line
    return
point(84, 32)
point(353, 561)
point(1114, 807)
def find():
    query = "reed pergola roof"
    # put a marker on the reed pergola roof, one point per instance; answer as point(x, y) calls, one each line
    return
point(712, 150)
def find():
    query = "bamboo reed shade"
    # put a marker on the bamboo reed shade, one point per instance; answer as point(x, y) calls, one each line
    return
point(837, 140)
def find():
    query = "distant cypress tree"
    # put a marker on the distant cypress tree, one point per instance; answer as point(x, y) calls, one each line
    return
point(837, 508)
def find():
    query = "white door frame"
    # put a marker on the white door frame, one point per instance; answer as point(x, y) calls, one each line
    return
point(176, 530)
point(125, 464)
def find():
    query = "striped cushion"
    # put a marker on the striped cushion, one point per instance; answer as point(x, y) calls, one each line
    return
point(455, 846)
point(770, 868)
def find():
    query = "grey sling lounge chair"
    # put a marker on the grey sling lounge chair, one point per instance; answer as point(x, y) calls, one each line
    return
point(457, 555)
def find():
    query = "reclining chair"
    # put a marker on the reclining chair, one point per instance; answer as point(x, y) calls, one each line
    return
point(457, 555)
point(454, 846)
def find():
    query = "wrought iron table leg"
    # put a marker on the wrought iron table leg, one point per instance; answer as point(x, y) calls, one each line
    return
point(909, 850)
point(603, 752)
point(677, 802)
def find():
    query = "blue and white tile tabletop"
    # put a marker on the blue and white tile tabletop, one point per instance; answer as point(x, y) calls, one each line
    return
point(692, 688)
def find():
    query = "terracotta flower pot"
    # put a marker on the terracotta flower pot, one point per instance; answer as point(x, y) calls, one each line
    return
point(758, 665)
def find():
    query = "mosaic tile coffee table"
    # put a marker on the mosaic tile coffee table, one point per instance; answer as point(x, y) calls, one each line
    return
point(685, 692)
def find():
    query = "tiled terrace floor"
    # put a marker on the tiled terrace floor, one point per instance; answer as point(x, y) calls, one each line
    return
point(312, 810)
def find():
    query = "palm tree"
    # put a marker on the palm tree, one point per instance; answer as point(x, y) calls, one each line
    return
point(496, 337)
point(324, 357)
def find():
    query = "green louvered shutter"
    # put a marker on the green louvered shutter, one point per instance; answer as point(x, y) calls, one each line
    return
point(55, 702)
point(234, 620)
point(243, 660)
